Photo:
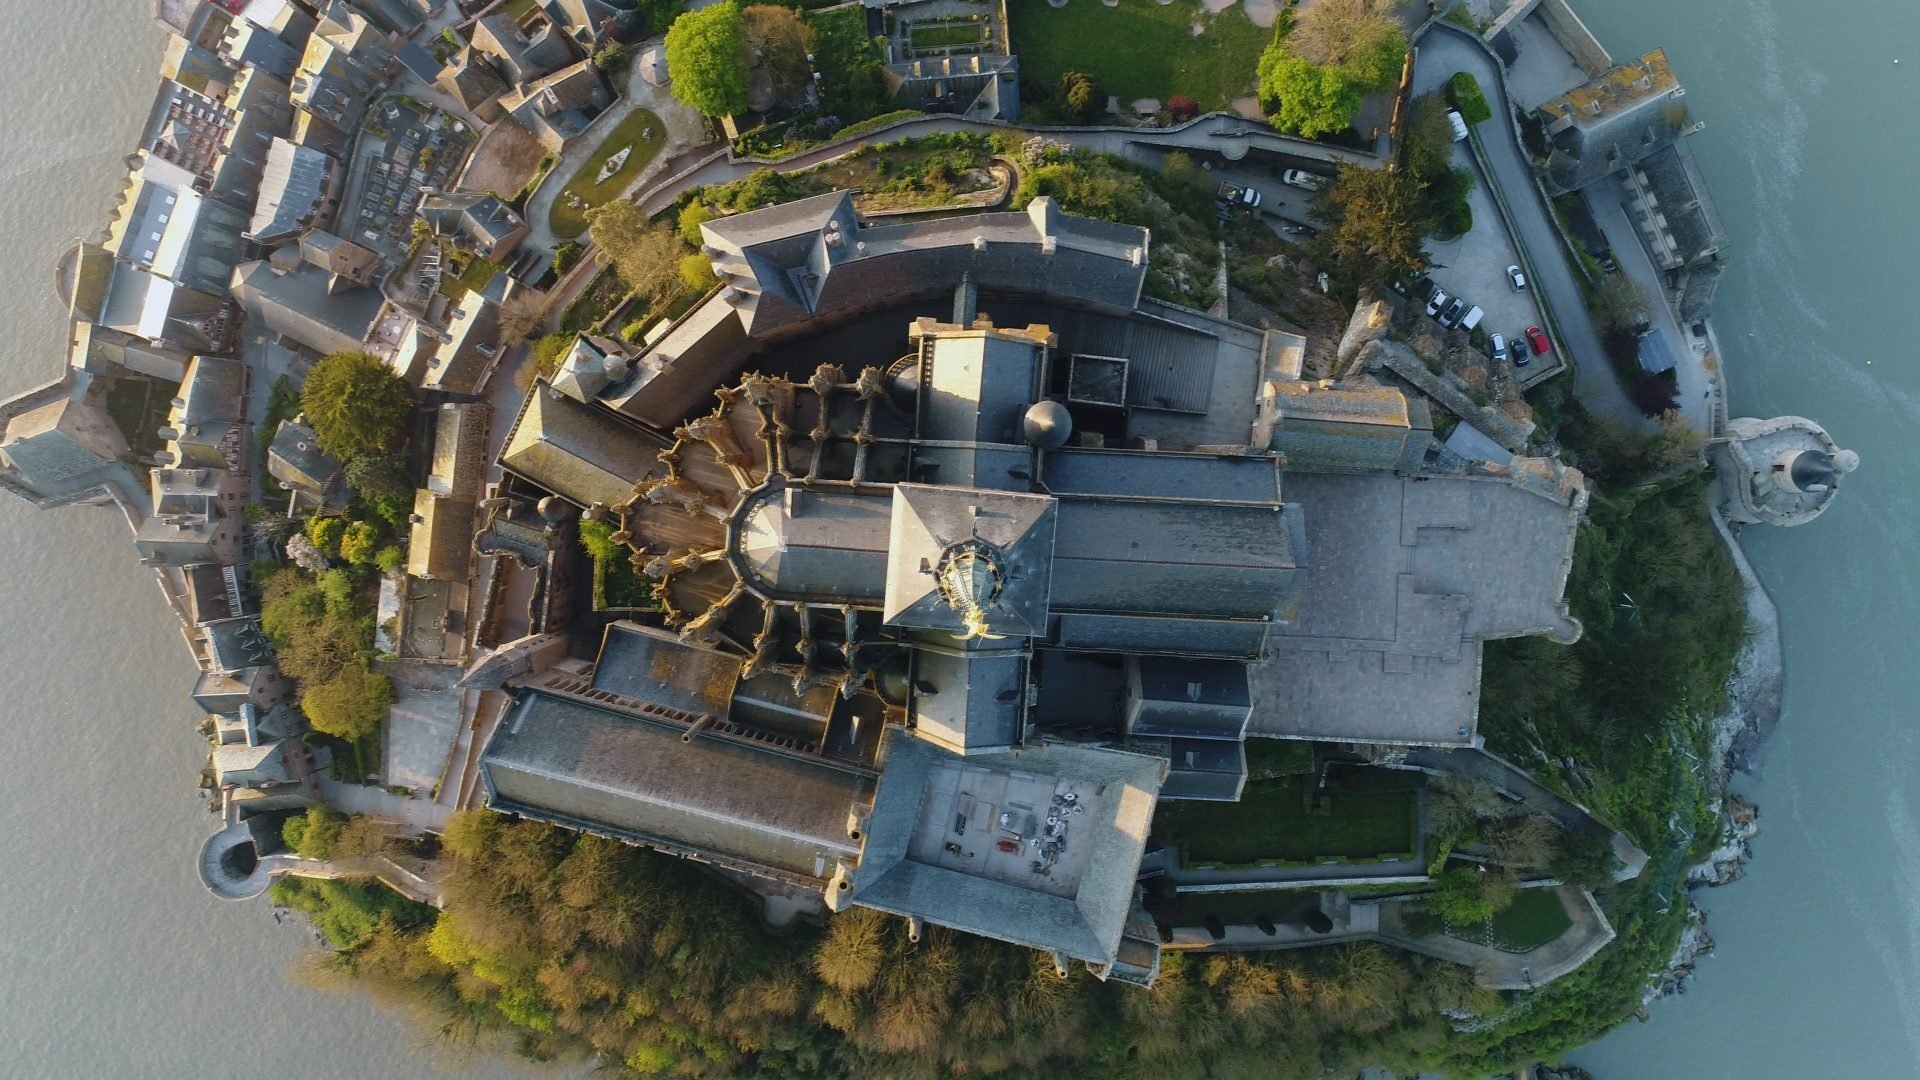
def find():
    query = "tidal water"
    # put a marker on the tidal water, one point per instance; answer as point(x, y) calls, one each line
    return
point(114, 962)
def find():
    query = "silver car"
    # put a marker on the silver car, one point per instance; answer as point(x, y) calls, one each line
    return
point(1518, 279)
point(1436, 302)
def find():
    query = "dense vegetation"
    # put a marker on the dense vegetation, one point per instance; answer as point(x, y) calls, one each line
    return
point(707, 53)
point(1322, 66)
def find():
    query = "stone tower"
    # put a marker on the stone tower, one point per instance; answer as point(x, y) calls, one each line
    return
point(1782, 471)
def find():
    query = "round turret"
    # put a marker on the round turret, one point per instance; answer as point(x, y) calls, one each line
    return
point(1047, 425)
point(1783, 471)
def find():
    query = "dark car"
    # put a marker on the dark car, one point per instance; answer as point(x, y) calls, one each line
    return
point(1537, 341)
point(1521, 354)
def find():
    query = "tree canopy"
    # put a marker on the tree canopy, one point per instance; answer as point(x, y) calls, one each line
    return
point(1374, 226)
point(778, 42)
point(647, 256)
point(355, 403)
point(1308, 99)
point(707, 53)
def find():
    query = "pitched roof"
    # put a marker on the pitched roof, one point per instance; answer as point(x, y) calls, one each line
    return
point(582, 453)
point(1613, 120)
point(301, 305)
point(569, 762)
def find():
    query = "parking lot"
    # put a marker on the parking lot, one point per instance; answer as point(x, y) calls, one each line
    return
point(1474, 266)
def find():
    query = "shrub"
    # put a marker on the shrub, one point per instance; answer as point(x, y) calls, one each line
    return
point(390, 559)
point(696, 273)
point(1460, 897)
point(566, 255)
point(1464, 91)
point(692, 216)
point(311, 835)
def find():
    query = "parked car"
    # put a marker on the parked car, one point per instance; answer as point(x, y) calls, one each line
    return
point(1302, 179)
point(1235, 196)
point(1499, 347)
point(1519, 279)
point(1437, 301)
point(1458, 123)
point(1472, 318)
point(1294, 228)
point(1455, 311)
point(1520, 353)
point(1537, 341)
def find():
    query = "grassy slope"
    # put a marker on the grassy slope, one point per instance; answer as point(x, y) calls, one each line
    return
point(1140, 49)
point(1271, 822)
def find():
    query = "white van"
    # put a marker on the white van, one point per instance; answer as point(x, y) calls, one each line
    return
point(1300, 178)
point(1458, 123)
point(1472, 319)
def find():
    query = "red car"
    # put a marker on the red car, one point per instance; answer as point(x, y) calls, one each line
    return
point(1537, 341)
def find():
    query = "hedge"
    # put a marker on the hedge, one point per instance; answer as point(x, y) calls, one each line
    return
point(1463, 90)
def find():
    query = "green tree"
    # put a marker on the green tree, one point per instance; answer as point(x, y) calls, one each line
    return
point(1460, 897)
point(379, 476)
point(707, 53)
point(1307, 99)
point(1081, 95)
point(312, 835)
point(357, 545)
point(1426, 149)
point(1585, 860)
point(1178, 166)
point(696, 273)
point(325, 532)
point(355, 403)
point(692, 216)
point(1374, 228)
point(1361, 36)
point(350, 705)
point(390, 559)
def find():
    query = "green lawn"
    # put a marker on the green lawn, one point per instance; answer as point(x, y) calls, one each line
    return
point(1140, 49)
point(1535, 917)
point(567, 221)
point(1280, 905)
point(942, 35)
point(1274, 820)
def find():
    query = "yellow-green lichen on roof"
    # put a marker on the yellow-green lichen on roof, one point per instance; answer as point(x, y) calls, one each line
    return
point(1621, 87)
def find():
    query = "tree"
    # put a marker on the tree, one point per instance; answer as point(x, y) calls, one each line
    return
point(1307, 99)
point(696, 273)
point(1585, 860)
point(350, 705)
point(707, 53)
point(646, 256)
point(779, 42)
point(1179, 167)
point(1617, 303)
point(325, 532)
point(312, 835)
point(848, 958)
point(1361, 37)
point(355, 403)
point(1427, 147)
point(524, 314)
point(1374, 229)
point(692, 216)
point(358, 543)
point(379, 476)
point(390, 559)
point(1676, 445)
point(1081, 95)
point(1528, 842)
point(1460, 898)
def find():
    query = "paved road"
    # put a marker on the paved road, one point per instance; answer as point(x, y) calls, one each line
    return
point(1445, 50)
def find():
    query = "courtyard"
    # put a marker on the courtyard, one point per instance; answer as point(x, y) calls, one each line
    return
point(641, 131)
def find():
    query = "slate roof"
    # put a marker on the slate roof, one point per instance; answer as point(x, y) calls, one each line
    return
point(926, 521)
point(970, 704)
point(1684, 201)
point(419, 61)
point(1207, 769)
point(1407, 578)
point(900, 871)
point(301, 306)
point(579, 452)
point(802, 544)
point(296, 458)
point(1614, 120)
point(564, 761)
point(1188, 698)
point(293, 185)
point(1165, 558)
point(1322, 426)
point(644, 664)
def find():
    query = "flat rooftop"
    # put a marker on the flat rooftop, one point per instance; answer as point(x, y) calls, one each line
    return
point(1012, 827)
